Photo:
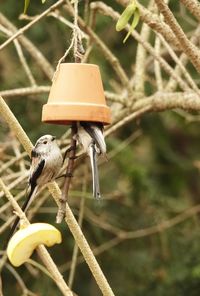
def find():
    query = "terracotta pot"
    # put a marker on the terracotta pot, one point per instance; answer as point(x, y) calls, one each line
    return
point(76, 95)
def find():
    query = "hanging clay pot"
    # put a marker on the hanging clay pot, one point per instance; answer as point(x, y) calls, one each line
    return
point(76, 95)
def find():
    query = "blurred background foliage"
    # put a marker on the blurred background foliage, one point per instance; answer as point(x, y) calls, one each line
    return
point(153, 177)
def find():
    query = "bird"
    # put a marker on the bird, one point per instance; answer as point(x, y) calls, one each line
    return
point(90, 137)
point(46, 162)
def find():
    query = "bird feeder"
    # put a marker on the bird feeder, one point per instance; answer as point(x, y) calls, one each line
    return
point(76, 95)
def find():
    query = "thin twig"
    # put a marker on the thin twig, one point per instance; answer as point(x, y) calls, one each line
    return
point(87, 253)
point(188, 77)
point(153, 21)
point(193, 6)
point(6, 224)
point(21, 56)
point(20, 281)
point(80, 220)
point(34, 52)
point(39, 267)
point(25, 91)
point(24, 63)
point(140, 233)
point(140, 69)
point(171, 85)
point(188, 48)
point(158, 73)
point(29, 25)
point(70, 167)
point(12, 161)
point(18, 154)
point(168, 69)
point(1, 288)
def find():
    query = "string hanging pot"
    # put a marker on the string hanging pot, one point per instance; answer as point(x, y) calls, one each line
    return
point(76, 95)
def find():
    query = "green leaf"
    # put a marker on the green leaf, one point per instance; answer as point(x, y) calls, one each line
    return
point(125, 16)
point(43, 1)
point(26, 5)
point(135, 21)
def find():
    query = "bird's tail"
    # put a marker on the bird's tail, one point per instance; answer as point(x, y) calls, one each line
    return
point(25, 206)
point(95, 173)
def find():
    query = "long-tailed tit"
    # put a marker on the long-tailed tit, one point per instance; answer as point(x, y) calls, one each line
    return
point(46, 162)
point(90, 136)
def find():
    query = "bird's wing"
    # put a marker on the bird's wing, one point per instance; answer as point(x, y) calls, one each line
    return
point(37, 166)
point(91, 126)
point(95, 130)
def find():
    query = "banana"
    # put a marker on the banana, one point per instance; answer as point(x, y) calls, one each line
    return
point(24, 241)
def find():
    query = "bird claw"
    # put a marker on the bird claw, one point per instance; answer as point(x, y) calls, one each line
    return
point(73, 157)
point(67, 175)
point(67, 151)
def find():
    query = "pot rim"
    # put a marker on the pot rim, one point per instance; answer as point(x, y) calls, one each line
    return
point(79, 64)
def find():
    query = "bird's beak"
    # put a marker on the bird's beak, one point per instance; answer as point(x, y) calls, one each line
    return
point(53, 138)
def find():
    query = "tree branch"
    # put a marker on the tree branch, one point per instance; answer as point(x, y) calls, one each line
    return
point(29, 25)
point(193, 6)
point(37, 56)
point(153, 21)
point(188, 48)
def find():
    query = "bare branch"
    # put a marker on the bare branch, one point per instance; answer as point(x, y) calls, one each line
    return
point(193, 6)
point(188, 48)
point(39, 58)
point(153, 21)
point(29, 25)
point(26, 91)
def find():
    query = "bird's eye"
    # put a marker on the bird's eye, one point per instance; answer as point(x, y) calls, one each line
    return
point(45, 142)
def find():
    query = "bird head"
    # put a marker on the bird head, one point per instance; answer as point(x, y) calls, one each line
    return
point(45, 143)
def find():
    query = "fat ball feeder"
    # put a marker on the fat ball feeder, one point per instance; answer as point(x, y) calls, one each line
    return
point(76, 96)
